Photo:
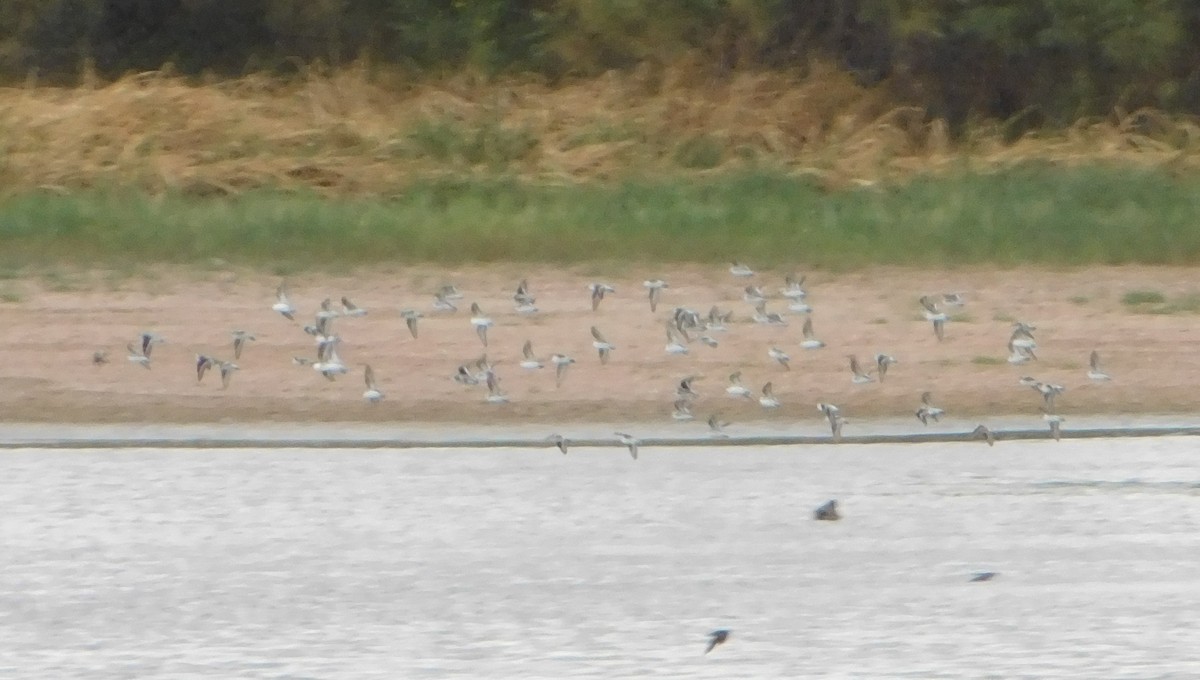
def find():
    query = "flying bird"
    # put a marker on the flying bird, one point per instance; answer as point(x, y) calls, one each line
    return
point(410, 319)
point(282, 304)
point(603, 347)
point(372, 394)
point(240, 338)
point(1095, 372)
point(481, 322)
point(654, 289)
point(629, 442)
point(716, 637)
point(598, 291)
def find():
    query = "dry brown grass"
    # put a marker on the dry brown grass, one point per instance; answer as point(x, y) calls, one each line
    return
point(350, 132)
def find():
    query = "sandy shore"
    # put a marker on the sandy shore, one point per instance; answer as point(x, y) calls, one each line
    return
point(50, 334)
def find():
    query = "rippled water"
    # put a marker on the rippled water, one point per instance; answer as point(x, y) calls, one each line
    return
point(529, 564)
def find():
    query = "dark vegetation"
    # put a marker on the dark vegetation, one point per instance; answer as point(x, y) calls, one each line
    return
point(1033, 63)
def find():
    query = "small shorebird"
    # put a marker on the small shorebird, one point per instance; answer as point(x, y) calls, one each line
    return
point(1094, 371)
point(683, 410)
point(982, 576)
point(349, 309)
point(736, 389)
point(481, 322)
point(1019, 355)
point(239, 342)
point(810, 341)
point(739, 270)
point(1048, 391)
point(465, 376)
point(203, 363)
point(716, 637)
point(827, 512)
point(717, 320)
point(762, 316)
point(282, 305)
point(684, 389)
point(780, 356)
point(935, 316)
point(137, 356)
point(836, 421)
point(227, 368)
point(449, 292)
point(793, 288)
point(598, 291)
point(754, 295)
point(927, 410)
point(149, 340)
point(858, 376)
point(327, 311)
point(495, 395)
point(882, 362)
point(677, 339)
point(800, 307)
point(1055, 422)
point(559, 441)
point(716, 426)
point(560, 361)
point(603, 347)
point(99, 357)
point(768, 400)
point(953, 299)
point(523, 300)
point(372, 394)
point(328, 363)
point(410, 319)
point(654, 289)
point(528, 360)
point(982, 432)
point(442, 303)
point(630, 442)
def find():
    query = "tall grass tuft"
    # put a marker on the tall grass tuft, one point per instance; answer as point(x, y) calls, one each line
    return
point(1031, 214)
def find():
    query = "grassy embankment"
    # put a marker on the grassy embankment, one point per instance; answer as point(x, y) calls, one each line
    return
point(770, 168)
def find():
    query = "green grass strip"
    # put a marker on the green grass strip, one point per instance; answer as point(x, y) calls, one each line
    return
point(1035, 214)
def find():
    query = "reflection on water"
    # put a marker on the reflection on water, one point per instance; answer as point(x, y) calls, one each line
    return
point(530, 564)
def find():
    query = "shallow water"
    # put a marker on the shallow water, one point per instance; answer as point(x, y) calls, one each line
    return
point(529, 564)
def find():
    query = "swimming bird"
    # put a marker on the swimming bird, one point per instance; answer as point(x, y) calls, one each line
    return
point(372, 394)
point(882, 362)
point(827, 512)
point(780, 356)
point(203, 363)
point(523, 300)
point(282, 304)
point(481, 322)
point(981, 576)
point(630, 442)
point(654, 289)
point(560, 361)
point(683, 410)
point(350, 309)
point(736, 389)
point(716, 637)
point(684, 389)
point(858, 376)
point(559, 441)
point(495, 395)
point(598, 291)
point(716, 427)
point(137, 356)
point(603, 347)
point(810, 341)
point(442, 303)
point(793, 288)
point(935, 316)
point(410, 319)
point(1094, 371)
point(768, 400)
point(99, 357)
point(529, 361)
point(227, 368)
point(740, 270)
point(239, 342)
point(927, 410)
point(982, 432)
point(1055, 422)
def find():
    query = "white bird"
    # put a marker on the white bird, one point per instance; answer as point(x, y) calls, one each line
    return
point(768, 400)
point(1055, 422)
point(935, 316)
point(282, 305)
point(603, 347)
point(442, 303)
point(528, 360)
point(683, 410)
point(753, 295)
point(598, 291)
point(834, 415)
point(327, 311)
point(927, 410)
point(559, 441)
point(1095, 372)
point(794, 288)
point(372, 394)
point(481, 322)
point(858, 376)
point(716, 427)
point(136, 356)
point(810, 341)
point(410, 319)
point(349, 309)
point(1019, 355)
point(494, 396)
point(328, 363)
point(523, 300)
point(780, 356)
point(561, 362)
point(762, 316)
point(239, 342)
point(654, 289)
point(717, 319)
point(740, 270)
point(630, 442)
point(676, 339)
point(736, 389)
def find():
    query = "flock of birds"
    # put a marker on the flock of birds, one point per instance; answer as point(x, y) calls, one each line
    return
point(684, 327)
